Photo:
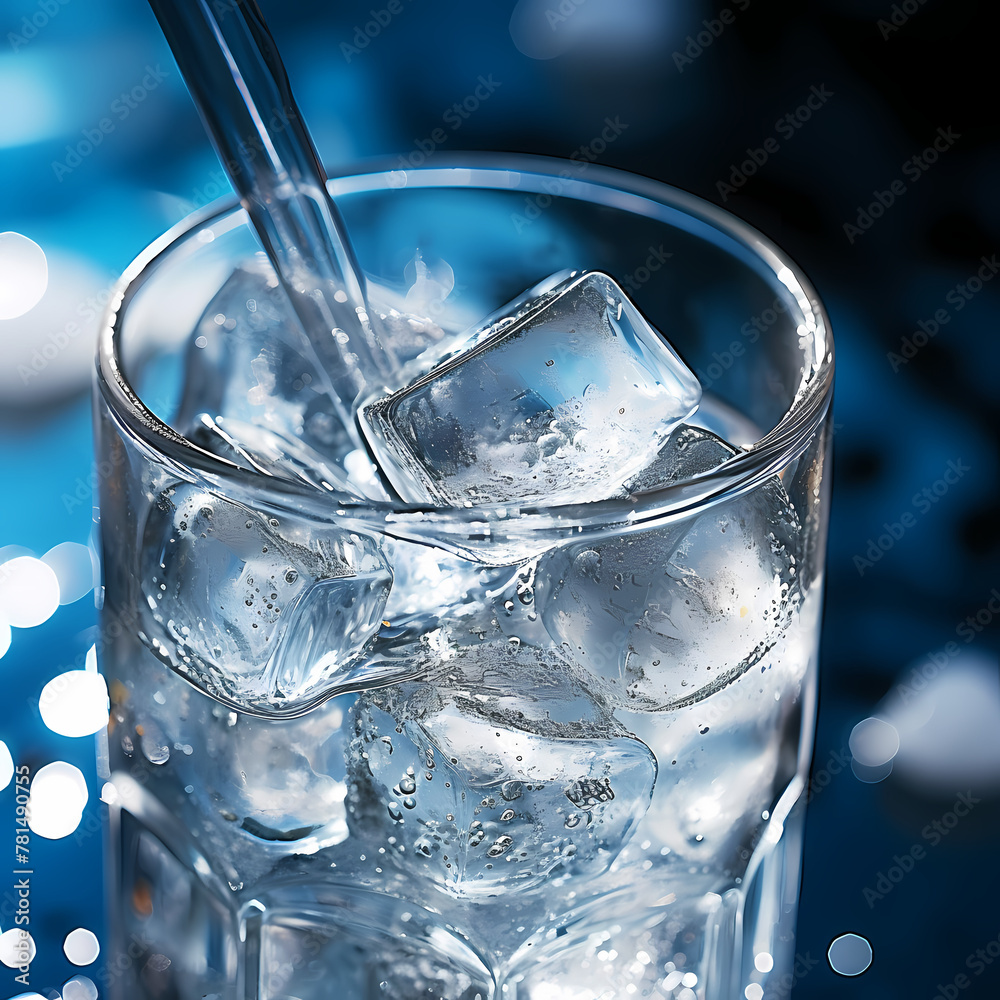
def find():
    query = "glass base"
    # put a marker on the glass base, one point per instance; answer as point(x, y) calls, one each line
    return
point(182, 933)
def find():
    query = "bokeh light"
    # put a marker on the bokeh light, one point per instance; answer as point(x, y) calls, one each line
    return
point(75, 703)
point(58, 796)
point(949, 725)
point(849, 954)
point(4, 638)
point(17, 948)
point(6, 766)
point(36, 114)
point(73, 565)
point(29, 592)
point(81, 946)
point(873, 742)
point(79, 988)
point(24, 274)
point(49, 351)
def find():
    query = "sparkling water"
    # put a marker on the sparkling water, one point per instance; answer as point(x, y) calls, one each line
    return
point(359, 766)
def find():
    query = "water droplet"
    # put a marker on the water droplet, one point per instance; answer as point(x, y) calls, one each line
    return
point(507, 814)
point(511, 790)
point(500, 846)
point(154, 749)
point(291, 576)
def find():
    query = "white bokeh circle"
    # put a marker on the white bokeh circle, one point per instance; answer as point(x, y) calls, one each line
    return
point(79, 988)
point(56, 800)
point(81, 946)
point(29, 592)
point(24, 275)
point(17, 948)
point(75, 703)
point(73, 565)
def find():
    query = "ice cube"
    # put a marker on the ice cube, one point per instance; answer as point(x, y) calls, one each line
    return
point(270, 452)
point(666, 615)
point(498, 784)
point(561, 400)
point(271, 615)
point(689, 451)
point(253, 388)
point(248, 360)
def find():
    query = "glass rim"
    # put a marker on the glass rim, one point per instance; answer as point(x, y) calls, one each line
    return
point(513, 172)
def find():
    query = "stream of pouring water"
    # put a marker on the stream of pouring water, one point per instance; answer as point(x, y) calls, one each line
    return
point(232, 69)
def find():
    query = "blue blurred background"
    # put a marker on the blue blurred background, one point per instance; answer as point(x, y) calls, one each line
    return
point(816, 123)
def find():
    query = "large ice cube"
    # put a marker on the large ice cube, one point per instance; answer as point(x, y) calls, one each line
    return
point(559, 401)
point(665, 615)
point(270, 615)
point(248, 360)
point(255, 393)
point(499, 783)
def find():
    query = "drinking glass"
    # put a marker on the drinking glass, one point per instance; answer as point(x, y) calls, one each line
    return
point(544, 753)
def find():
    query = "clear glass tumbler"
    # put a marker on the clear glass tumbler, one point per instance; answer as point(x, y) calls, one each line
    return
point(536, 753)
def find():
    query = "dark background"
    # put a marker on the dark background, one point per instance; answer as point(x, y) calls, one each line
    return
point(693, 114)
